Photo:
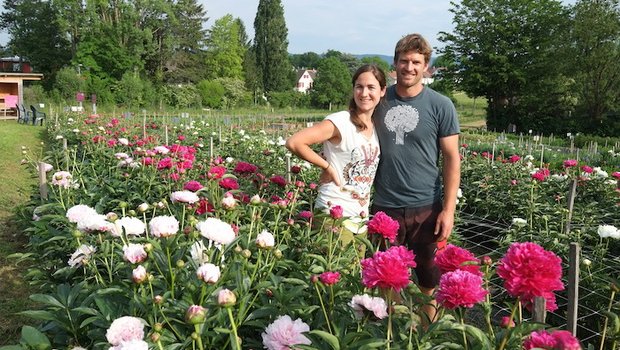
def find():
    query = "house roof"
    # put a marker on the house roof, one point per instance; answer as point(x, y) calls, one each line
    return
point(300, 73)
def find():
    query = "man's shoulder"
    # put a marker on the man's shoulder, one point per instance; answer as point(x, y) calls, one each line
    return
point(437, 96)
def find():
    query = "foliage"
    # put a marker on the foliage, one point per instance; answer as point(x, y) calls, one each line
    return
point(332, 85)
point(68, 82)
point(596, 60)
point(271, 46)
point(181, 95)
point(225, 50)
point(293, 99)
point(305, 60)
point(516, 65)
point(212, 93)
point(380, 62)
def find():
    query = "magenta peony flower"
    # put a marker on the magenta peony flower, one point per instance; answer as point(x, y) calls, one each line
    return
point(192, 185)
point(454, 258)
point(514, 158)
point(384, 225)
point(216, 172)
point(388, 269)
point(305, 215)
point(229, 183)
point(539, 340)
point(278, 180)
point(284, 334)
point(530, 271)
point(336, 212)
point(541, 175)
point(460, 288)
point(329, 278)
point(244, 168)
point(569, 163)
point(587, 169)
point(566, 341)
point(125, 329)
point(165, 163)
point(616, 174)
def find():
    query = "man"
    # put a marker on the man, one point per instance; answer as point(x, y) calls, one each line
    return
point(414, 125)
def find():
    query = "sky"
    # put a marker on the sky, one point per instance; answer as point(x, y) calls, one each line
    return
point(349, 26)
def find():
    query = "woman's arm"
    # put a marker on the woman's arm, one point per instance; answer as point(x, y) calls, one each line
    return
point(301, 141)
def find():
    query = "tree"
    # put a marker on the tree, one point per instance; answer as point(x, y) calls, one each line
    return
point(332, 84)
point(348, 60)
point(380, 62)
point(596, 59)
point(305, 60)
point(225, 49)
point(271, 46)
point(516, 64)
point(35, 35)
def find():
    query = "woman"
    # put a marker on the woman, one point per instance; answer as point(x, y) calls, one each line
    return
point(350, 146)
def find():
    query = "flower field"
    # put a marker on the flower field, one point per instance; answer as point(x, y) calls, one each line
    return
point(186, 234)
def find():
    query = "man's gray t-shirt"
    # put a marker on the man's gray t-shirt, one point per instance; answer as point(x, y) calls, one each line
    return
point(409, 130)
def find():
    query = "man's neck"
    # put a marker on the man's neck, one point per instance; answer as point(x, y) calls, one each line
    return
point(411, 91)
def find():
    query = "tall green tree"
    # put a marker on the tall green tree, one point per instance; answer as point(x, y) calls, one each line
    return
point(187, 40)
point(332, 85)
point(380, 62)
point(305, 60)
point(35, 34)
point(271, 47)
point(596, 61)
point(225, 49)
point(511, 52)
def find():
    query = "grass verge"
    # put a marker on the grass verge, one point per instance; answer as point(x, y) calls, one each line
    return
point(16, 184)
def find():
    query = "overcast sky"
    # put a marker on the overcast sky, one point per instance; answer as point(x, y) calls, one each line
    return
point(350, 26)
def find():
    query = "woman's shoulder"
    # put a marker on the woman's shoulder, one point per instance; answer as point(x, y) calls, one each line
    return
point(339, 116)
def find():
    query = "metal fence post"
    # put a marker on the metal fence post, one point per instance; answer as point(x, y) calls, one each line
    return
point(573, 288)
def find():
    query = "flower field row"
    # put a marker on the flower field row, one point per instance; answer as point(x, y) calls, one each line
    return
point(211, 241)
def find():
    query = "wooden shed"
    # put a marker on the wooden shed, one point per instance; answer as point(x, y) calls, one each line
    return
point(12, 90)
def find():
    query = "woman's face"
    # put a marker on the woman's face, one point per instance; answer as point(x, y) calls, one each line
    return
point(367, 92)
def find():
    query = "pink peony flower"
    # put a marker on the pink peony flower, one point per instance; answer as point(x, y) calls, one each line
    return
point(460, 288)
point(164, 226)
point(184, 197)
point(134, 344)
point(216, 230)
point(336, 212)
point(507, 322)
point(384, 225)
point(514, 158)
point(388, 269)
point(529, 271)
point(134, 253)
point(229, 183)
point(208, 273)
point(329, 278)
point(139, 275)
point(587, 169)
point(306, 215)
point(541, 175)
point(566, 341)
point(80, 212)
point(204, 207)
point(63, 179)
point(125, 329)
point(295, 169)
point(569, 163)
point(165, 163)
point(454, 258)
point(192, 185)
point(284, 334)
point(616, 174)
point(365, 303)
point(81, 255)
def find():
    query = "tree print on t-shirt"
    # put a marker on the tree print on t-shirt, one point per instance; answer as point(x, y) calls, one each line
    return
point(360, 172)
point(401, 119)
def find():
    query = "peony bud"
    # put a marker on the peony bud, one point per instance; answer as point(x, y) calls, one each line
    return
point(139, 274)
point(507, 322)
point(486, 260)
point(143, 207)
point(246, 253)
point(158, 327)
point(158, 299)
point(180, 264)
point(226, 298)
point(255, 200)
point(336, 212)
point(196, 314)
point(277, 253)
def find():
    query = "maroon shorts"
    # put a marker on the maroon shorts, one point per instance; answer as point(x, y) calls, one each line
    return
point(416, 232)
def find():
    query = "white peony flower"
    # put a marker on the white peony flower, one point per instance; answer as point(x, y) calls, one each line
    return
point(216, 230)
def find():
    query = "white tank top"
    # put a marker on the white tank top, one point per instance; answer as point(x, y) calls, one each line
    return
point(355, 159)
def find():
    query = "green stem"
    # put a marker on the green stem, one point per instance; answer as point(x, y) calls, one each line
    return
point(172, 276)
point(502, 345)
point(237, 346)
point(389, 326)
point(199, 337)
point(603, 335)
point(327, 320)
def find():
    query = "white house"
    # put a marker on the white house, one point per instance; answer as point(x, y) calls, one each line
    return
point(305, 79)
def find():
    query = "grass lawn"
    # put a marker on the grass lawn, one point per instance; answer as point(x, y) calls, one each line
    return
point(472, 112)
point(16, 184)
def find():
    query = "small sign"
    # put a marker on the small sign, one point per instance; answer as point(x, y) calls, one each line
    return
point(79, 96)
point(93, 98)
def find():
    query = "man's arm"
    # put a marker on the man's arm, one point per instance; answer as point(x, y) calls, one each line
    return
point(451, 181)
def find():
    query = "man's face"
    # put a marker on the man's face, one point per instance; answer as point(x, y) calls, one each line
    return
point(410, 67)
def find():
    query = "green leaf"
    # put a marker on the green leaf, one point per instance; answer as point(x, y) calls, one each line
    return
point(47, 299)
point(329, 338)
point(11, 347)
point(35, 339)
point(39, 315)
